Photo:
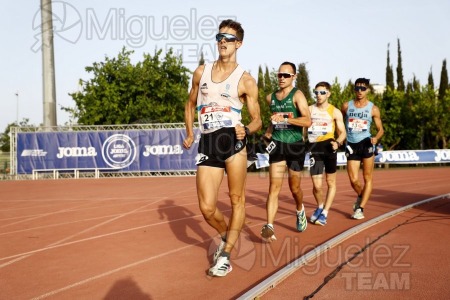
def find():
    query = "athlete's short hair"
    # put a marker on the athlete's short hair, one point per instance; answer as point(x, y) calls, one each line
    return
point(323, 84)
point(233, 25)
point(364, 81)
point(287, 63)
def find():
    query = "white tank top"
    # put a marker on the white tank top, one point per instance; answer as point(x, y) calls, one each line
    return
point(218, 103)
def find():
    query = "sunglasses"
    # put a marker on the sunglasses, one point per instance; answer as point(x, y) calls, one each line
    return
point(320, 92)
point(228, 37)
point(360, 88)
point(285, 75)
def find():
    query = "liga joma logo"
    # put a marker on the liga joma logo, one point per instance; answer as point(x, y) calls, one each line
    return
point(119, 151)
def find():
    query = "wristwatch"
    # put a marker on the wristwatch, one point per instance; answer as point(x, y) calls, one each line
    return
point(247, 131)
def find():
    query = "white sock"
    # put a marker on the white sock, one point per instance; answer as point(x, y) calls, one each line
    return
point(321, 206)
point(325, 212)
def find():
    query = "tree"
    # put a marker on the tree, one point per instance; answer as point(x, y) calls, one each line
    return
point(400, 82)
point(430, 79)
point(202, 59)
point(152, 90)
point(267, 82)
point(264, 108)
point(5, 139)
point(302, 82)
point(443, 85)
point(389, 73)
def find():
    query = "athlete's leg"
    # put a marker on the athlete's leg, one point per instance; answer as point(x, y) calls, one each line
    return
point(295, 179)
point(353, 172)
point(331, 190)
point(368, 164)
point(236, 167)
point(317, 188)
point(276, 175)
point(208, 184)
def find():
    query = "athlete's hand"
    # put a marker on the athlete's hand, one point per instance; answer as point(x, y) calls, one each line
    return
point(187, 143)
point(374, 140)
point(334, 145)
point(240, 132)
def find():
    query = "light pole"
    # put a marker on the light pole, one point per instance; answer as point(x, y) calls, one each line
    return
point(17, 110)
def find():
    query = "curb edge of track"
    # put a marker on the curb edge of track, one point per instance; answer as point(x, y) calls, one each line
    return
point(273, 280)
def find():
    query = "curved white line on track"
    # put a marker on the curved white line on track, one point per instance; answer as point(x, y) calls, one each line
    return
point(270, 282)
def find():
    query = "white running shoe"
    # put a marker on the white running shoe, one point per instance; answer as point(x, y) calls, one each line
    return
point(357, 203)
point(218, 251)
point(358, 215)
point(221, 268)
point(268, 233)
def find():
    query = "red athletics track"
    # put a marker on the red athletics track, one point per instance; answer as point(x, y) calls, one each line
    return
point(144, 238)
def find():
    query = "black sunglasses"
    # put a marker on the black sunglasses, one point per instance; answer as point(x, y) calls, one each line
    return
point(228, 37)
point(285, 75)
point(360, 88)
point(320, 92)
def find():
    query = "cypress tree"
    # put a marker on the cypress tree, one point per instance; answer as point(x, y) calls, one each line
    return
point(261, 89)
point(260, 79)
point(430, 79)
point(267, 82)
point(400, 82)
point(443, 85)
point(389, 73)
point(416, 84)
point(302, 82)
point(202, 59)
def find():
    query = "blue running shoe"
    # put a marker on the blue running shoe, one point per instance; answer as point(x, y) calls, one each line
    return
point(302, 222)
point(321, 220)
point(315, 215)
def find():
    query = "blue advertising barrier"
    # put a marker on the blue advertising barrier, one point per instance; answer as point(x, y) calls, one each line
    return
point(127, 150)
point(384, 157)
point(153, 150)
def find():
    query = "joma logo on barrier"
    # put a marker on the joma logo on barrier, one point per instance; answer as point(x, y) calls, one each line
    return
point(162, 150)
point(76, 152)
point(398, 156)
point(442, 155)
point(33, 152)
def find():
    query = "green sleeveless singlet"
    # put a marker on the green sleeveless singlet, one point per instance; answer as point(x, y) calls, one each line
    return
point(286, 133)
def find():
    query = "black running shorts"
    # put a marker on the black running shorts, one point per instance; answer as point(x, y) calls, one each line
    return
point(322, 156)
point(216, 147)
point(292, 153)
point(358, 151)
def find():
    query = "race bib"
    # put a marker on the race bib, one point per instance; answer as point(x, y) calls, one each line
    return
point(282, 125)
point(320, 127)
point(216, 117)
point(357, 125)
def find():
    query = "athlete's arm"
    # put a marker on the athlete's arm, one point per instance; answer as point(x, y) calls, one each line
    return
point(340, 126)
point(302, 105)
point(189, 109)
point(248, 91)
point(376, 115)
